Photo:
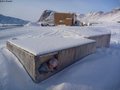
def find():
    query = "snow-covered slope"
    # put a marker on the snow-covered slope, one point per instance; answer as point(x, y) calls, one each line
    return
point(47, 17)
point(11, 20)
point(112, 16)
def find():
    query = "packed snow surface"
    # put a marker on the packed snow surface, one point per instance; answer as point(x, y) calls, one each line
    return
point(98, 71)
point(85, 31)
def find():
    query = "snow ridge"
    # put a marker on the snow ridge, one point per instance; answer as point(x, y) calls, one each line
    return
point(111, 16)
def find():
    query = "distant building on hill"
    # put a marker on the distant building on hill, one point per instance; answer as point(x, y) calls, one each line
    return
point(57, 18)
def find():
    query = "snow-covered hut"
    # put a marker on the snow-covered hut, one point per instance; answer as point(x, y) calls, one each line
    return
point(43, 58)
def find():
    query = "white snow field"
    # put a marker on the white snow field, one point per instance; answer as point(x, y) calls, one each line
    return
point(98, 71)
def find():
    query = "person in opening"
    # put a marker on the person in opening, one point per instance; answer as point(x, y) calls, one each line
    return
point(52, 64)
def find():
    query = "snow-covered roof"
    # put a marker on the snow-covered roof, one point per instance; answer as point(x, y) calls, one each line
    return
point(43, 45)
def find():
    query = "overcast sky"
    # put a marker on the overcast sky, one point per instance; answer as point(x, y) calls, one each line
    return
point(32, 9)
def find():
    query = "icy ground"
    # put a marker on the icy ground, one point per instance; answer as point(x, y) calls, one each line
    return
point(99, 71)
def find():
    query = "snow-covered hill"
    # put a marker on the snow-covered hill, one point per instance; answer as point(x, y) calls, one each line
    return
point(111, 16)
point(11, 20)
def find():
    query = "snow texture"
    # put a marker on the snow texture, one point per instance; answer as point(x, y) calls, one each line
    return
point(39, 46)
point(98, 71)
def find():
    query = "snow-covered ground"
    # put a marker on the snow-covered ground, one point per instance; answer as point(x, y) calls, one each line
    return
point(99, 71)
